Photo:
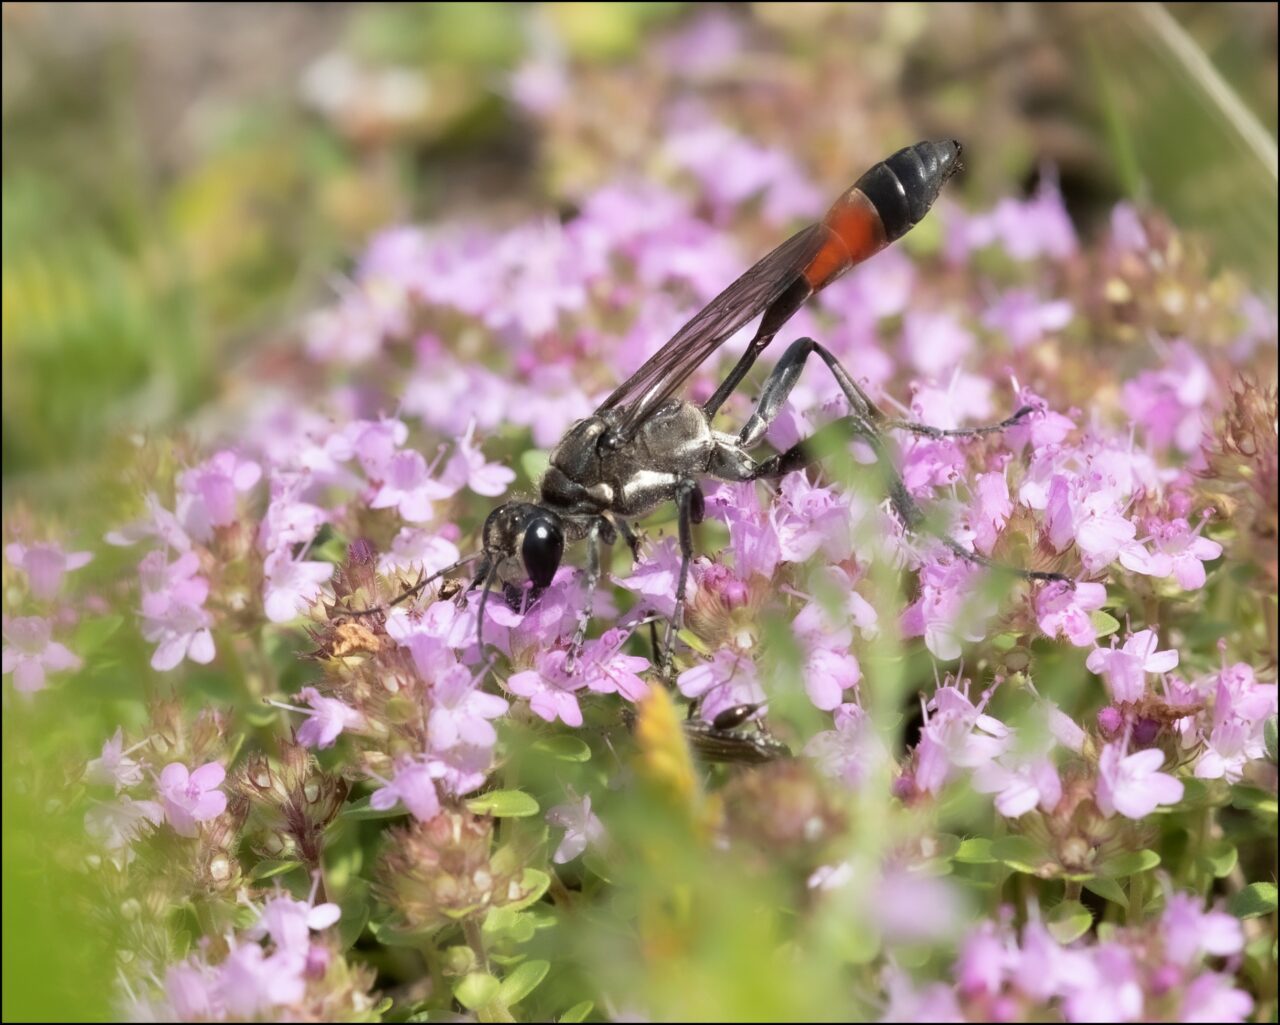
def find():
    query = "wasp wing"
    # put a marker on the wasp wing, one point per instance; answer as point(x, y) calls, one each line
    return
point(668, 368)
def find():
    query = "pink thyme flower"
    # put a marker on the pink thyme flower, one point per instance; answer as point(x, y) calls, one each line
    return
point(1172, 403)
point(729, 679)
point(30, 652)
point(1020, 783)
point(467, 468)
point(207, 493)
point(1062, 610)
point(1125, 668)
point(654, 577)
point(115, 768)
point(1188, 932)
point(117, 824)
point(192, 991)
point(250, 982)
point(290, 586)
point(550, 689)
point(290, 519)
point(290, 922)
point(327, 719)
point(173, 614)
point(414, 785)
point(948, 612)
point(581, 828)
point(409, 488)
point(935, 342)
point(853, 752)
point(159, 523)
point(1133, 785)
point(957, 734)
point(45, 564)
point(191, 797)
point(1213, 998)
point(1186, 550)
point(1022, 317)
point(460, 711)
point(418, 550)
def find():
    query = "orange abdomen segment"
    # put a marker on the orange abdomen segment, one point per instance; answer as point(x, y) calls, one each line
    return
point(857, 233)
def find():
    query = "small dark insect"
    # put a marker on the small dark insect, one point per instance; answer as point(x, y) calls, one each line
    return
point(644, 447)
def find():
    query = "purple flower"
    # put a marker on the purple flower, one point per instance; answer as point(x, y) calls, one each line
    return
point(30, 652)
point(208, 492)
point(160, 524)
point(45, 564)
point(1063, 609)
point(409, 488)
point(729, 679)
point(191, 797)
point(250, 982)
point(1021, 783)
point(115, 768)
point(460, 711)
point(1212, 997)
point(956, 734)
point(948, 612)
point(990, 511)
point(853, 752)
point(419, 551)
point(1133, 785)
point(117, 824)
point(1022, 317)
point(1125, 668)
point(290, 922)
point(467, 468)
point(655, 577)
point(934, 342)
point(550, 689)
point(326, 720)
point(1188, 932)
point(192, 992)
point(290, 520)
point(608, 671)
point(581, 829)
point(290, 586)
point(1186, 551)
point(1104, 986)
point(173, 615)
point(413, 784)
point(1170, 404)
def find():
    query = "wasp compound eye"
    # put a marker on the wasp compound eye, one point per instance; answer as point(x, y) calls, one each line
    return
point(541, 550)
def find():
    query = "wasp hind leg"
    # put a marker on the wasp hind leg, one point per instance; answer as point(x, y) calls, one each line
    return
point(863, 422)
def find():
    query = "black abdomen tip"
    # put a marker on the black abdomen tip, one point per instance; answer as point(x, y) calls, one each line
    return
point(904, 186)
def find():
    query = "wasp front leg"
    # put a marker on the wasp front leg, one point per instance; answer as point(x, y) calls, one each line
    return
point(599, 531)
point(691, 506)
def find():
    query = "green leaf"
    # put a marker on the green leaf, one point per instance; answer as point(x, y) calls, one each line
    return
point(1254, 900)
point(1019, 853)
point(273, 867)
point(1219, 859)
point(578, 1012)
point(1129, 864)
point(1252, 799)
point(523, 981)
point(504, 804)
point(384, 1005)
point(476, 990)
point(91, 634)
point(535, 882)
point(975, 851)
point(566, 748)
point(1269, 737)
point(358, 811)
point(534, 462)
point(1108, 889)
point(1103, 622)
point(1069, 921)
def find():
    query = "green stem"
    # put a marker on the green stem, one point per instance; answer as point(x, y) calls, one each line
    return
point(1136, 898)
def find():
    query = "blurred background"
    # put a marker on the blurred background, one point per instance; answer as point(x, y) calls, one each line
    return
point(182, 181)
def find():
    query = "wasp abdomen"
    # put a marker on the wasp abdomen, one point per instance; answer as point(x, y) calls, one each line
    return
point(903, 187)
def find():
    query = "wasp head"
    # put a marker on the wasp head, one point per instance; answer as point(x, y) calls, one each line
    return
point(529, 531)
